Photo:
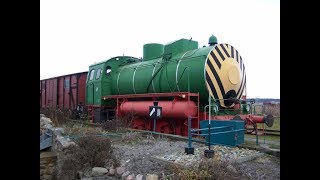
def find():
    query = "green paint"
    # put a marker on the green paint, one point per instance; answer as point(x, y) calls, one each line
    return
point(213, 40)
point(137, 77)
point(98, 87)
point(179, 46)
point(152, 51)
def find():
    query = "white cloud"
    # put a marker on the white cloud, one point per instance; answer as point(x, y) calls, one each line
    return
point(77, 33)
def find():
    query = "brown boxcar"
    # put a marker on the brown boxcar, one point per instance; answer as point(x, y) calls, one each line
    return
point(66, 91)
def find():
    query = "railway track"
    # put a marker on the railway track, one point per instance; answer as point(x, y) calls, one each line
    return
point(269, 132)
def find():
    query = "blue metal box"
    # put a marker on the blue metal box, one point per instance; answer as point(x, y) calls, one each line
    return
point(223, 132)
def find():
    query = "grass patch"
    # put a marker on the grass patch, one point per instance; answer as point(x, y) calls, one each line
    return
point(253, 144)
point(208, 169)
point(274, 146)
point(131, 137)
point(261, 138)
point(72, 128)
point(250, 143)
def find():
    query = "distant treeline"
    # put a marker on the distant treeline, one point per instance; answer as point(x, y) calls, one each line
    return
point(264, 100)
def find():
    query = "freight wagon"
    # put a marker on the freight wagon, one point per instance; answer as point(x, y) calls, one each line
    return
point(64, 92)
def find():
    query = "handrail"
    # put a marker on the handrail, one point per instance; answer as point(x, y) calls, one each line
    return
point(218, 132)
point(181, 77)
point(221, 127)
point(156, 73)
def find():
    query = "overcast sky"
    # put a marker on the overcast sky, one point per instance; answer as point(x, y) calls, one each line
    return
point(77, 33)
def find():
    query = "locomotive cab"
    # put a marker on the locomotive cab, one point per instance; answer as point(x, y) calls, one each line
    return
point(99, 84)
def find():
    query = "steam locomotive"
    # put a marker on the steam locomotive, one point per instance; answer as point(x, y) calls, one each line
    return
point(185, 80)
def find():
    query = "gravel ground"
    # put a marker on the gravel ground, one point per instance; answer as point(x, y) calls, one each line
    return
point(265, 167)
point(220, 153)
point(138, 155)
point(137, 152)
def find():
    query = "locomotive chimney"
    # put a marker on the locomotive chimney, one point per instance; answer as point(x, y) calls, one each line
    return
point(213, 40)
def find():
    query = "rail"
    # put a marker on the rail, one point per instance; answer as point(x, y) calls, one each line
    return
point(270, 132)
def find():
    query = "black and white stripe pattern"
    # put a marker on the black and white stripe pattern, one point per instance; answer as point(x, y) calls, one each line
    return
point(213, 71)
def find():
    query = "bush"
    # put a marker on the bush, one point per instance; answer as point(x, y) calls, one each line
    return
point(58, 116)
point(274, 110)
point(90, 151)
point(267, 109)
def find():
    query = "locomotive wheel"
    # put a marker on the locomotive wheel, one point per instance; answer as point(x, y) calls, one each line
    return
point(169, 128)
point(144, 125)
point(141, 126)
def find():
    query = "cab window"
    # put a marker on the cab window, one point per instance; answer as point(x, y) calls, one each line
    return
point(91, 74)
point(108, 70)
point(98, 73)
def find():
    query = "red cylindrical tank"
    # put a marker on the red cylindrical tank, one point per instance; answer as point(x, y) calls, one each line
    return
point(258, 119)
point(268, 120)
point(172, 109)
